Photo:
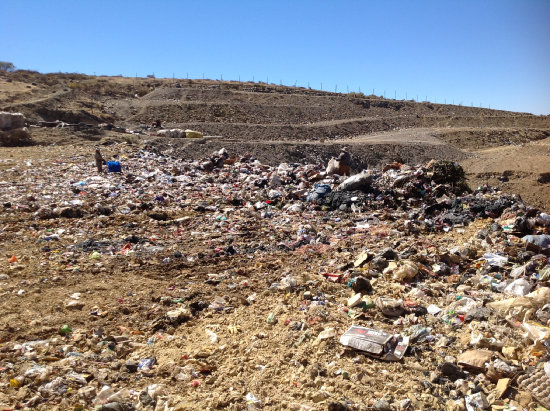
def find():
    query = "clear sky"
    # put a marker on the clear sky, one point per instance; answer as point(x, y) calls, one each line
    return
point(493, 53)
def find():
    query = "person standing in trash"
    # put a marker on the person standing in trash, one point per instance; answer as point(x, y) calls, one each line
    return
point(344, 161)
point(99, 161)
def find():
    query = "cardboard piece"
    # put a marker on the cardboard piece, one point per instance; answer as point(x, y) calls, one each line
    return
point(475, 359)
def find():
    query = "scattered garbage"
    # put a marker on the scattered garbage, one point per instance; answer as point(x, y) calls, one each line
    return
point(225, 283)
point(377, 343)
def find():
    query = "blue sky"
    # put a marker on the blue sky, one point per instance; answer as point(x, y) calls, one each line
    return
point(483, 52)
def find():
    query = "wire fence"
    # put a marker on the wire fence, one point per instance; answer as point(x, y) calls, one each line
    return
point(357, 91)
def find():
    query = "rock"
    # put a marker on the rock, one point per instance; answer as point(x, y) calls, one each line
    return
point(452, 371)
point(361, 285)
point(131, 366)
point(319, 396)
point(337, 406)
point(388, 254)
point(326, 334)
point(145, 399)
point(382, 405)
point(160, 216)
point(101, 210)
point(70, 212)
point(45, 213)
point(179, 315)
point(478, 314)
point(74, 305)
point(18, 137)
point(116, 406)
point(10, 121)
point(379, 263)
point(22, 393)
point(317, 370)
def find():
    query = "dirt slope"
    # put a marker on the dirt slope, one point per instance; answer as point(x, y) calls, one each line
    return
point(113, 256)
point(278, 123)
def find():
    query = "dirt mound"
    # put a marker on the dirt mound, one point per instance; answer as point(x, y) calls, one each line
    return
point(18, 137)
point(514, 169)
point(476, 139)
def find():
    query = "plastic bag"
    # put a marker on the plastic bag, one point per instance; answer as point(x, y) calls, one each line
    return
point(542, 241)
point(519, 287)
point(535, 331)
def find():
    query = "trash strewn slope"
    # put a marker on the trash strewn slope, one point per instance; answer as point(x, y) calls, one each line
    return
point(224, 283)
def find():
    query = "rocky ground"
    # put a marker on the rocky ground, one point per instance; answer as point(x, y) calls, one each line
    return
point(177, 286)
point(279, 123)
point(195, 280)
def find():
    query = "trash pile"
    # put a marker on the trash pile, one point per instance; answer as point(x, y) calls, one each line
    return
point(228, 284)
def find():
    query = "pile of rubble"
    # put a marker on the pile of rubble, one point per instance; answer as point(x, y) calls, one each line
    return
point(226, 283)
point(13, 132)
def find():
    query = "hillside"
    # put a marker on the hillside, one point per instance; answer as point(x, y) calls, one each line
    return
point(191, 281)
point(279, 123)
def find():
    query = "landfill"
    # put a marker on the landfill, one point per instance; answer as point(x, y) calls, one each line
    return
point(225, 283)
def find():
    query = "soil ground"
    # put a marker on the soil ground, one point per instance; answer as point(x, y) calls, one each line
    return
point(292, 124)
point(125, 295)
point(285, 366)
